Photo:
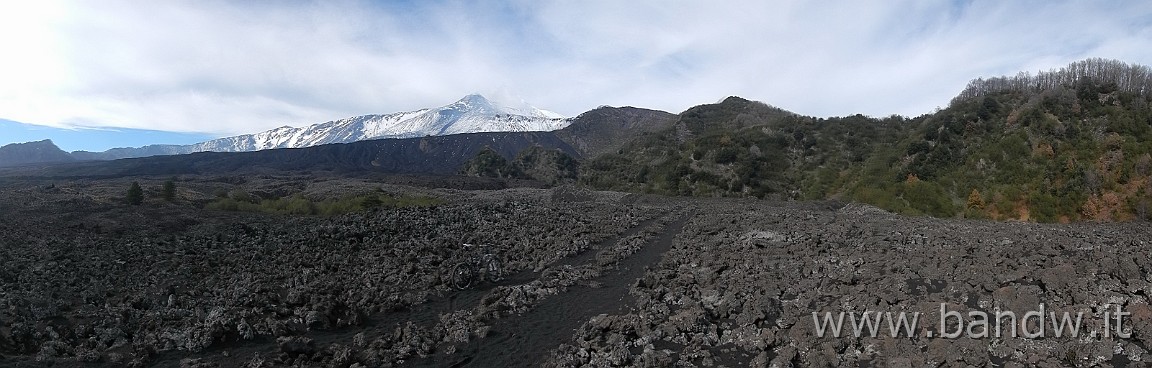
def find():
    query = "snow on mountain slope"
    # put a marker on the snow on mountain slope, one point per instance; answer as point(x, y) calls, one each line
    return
point(471, 114)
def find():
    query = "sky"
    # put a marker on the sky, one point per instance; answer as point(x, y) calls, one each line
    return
point(181, 71)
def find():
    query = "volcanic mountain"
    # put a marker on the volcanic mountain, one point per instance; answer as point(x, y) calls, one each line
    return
point(471, 114)
point(32, 152)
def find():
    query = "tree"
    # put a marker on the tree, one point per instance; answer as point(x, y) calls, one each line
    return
point(169, 190)
point(975, 200)
point(928, 198)
point(135, 194)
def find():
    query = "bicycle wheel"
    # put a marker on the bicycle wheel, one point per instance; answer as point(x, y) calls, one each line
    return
point(492, 268)
point(462, 276)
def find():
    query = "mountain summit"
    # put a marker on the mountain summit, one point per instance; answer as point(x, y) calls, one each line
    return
point(32, 152)
point(472, 114)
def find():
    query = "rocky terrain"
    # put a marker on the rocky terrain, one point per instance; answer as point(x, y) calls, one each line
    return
point(590, 278)
point(739, 287)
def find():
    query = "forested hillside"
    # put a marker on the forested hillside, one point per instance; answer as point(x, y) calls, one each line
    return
point(1065, 145)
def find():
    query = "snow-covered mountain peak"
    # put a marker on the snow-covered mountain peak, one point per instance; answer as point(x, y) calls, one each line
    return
point(478, 104)
point(472, 114)
point(474, 104)
point(516, 105)
point(474, 99)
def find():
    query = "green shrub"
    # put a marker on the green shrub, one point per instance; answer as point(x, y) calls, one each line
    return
point(928, 198)
point(300, 205)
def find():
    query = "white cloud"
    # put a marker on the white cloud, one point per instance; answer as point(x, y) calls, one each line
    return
point(236, 67)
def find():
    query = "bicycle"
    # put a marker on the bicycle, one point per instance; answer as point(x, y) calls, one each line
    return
point(479, 266)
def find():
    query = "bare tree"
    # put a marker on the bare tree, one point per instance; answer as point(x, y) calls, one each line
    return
point(1129, 78)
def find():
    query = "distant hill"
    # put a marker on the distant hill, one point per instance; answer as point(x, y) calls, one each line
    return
point(1064, 145)
point(32, 152)
point(594, 133)
point(606, 129)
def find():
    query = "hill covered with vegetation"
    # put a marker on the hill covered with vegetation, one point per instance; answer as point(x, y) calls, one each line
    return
point(1065, 145)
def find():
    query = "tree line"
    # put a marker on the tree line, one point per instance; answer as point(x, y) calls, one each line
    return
point(1131, 78)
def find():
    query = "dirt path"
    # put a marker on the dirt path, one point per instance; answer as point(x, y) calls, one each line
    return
point(527, 340)
point(428, 313)
point(425, 314)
